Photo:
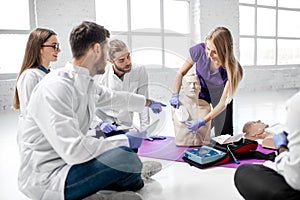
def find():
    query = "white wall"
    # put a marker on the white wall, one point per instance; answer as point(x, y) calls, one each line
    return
point(59, 16)
point(62, 16)
point(215, 13)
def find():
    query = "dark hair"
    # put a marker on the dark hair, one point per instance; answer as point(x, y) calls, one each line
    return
point(32, 57)
point(86, 34)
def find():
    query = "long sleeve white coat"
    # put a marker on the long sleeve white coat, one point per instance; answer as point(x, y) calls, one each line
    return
point(26, 82)
point(135, 81)
point(288, 163)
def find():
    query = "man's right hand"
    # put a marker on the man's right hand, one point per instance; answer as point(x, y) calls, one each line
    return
point(156, 106)
point(107, 127)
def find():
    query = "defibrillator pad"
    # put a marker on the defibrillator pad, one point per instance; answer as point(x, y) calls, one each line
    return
point(204, 154)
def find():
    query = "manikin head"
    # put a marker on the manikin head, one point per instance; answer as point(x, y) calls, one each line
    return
point(191, 86)
point(255, 129)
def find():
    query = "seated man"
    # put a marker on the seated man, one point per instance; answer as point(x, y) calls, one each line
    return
point(278, 179)
point(191, 108)
point(121, 75)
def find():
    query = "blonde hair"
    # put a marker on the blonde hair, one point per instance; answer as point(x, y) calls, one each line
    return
point(222, 39)
point(115, 46)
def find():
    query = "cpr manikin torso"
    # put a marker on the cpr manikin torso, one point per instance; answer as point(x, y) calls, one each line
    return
point(190, 108)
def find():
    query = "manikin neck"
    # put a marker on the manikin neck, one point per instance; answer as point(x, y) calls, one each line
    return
point(191, 101)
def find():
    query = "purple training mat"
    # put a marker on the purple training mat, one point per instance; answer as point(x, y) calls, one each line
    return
point(167, 150)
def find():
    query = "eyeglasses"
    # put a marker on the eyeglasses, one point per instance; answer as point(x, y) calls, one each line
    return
point(54, 46)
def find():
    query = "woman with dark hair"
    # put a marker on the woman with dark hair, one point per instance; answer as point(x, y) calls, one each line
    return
point(42, 48)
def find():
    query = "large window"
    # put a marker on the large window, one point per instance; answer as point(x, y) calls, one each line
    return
point(15, 24)
point(156, 31)
point(269, 32)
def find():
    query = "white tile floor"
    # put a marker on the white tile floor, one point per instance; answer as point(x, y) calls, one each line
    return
point(176, 180)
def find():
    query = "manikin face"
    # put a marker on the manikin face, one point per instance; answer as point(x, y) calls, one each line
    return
point(191, 86)
point(122, 61)
point(254, 127)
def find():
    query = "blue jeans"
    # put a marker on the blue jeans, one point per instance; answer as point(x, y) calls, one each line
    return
point(118, 169)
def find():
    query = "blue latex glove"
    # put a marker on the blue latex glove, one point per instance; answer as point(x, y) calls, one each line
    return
point(280, 139)
point(193, 125)
point(156, 107)
point(107, 127)
point(174, 101)
point(136, 138)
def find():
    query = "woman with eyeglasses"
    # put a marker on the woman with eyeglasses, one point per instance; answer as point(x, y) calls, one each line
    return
point(42, 48)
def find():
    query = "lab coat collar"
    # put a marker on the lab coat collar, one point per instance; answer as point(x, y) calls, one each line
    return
point(84, 73)
point(112, 74)
point(78, 69)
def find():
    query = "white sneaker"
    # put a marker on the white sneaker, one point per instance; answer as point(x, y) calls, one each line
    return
point(114, 195)
point(127, 195)
point(150, 168)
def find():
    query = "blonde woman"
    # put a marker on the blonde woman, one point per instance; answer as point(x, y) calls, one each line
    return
point(219, 73)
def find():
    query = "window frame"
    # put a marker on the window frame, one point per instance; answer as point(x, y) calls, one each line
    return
point(256, 37)
point(32, 25)
point(129, 33)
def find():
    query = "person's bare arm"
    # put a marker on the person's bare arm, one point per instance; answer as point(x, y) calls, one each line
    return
point(188, 64)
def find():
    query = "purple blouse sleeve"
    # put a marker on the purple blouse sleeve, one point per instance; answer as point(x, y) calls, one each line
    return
point(197, 51)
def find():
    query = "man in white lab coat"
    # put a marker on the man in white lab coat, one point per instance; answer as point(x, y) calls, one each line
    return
point(122, 75)
point(58, 159)
point(279, 179)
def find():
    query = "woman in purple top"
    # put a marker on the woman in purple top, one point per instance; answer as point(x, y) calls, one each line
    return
point(219, 73)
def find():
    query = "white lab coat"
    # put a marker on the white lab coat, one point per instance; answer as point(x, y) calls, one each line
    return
point(26, 82)
point(288, 163)
point(135, 81)
point(53, 135)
